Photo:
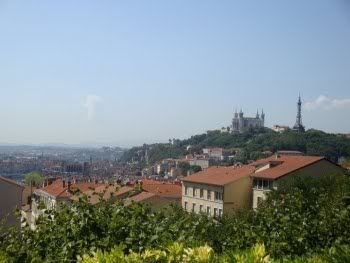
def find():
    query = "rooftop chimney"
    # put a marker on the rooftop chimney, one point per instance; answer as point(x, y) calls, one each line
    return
point(63, 183)
point(69, 185)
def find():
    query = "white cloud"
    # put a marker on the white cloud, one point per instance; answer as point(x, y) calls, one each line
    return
point(90, 104)
point(327, 103)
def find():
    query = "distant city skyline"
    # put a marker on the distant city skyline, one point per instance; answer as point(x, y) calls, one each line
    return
point(128, 73)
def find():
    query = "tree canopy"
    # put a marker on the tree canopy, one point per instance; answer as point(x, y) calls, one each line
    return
point(33, 178)
point(302, 217)
point(251, 144)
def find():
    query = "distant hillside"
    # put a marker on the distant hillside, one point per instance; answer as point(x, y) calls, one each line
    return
point(251, 143)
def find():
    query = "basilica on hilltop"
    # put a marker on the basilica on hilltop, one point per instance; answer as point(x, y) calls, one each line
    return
point(239, 122)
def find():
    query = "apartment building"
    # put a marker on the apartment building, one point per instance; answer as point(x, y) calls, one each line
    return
point(217, 190)
point(270, 172)
point(220, 190)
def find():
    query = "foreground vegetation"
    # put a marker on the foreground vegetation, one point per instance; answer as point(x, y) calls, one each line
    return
point(305, 219)
point(205, 254)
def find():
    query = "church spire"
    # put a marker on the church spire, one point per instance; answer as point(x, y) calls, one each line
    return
point(241, 114)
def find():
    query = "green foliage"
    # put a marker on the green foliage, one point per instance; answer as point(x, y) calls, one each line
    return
point(338, 254)
point(256, 254)
point(304, 216)
point(185, 167)
point(301, 216)
point(252, 143)
point(196, 168)
point(241, 156)
point(79, 229)
point(155, 153)
point(34, 178)
point(176, 252)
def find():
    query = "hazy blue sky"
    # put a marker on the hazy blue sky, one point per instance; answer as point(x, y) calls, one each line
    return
point(128, 72)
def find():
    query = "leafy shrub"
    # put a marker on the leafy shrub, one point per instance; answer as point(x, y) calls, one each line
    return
point(177, 253)
point(338, 254)
point(296, 220)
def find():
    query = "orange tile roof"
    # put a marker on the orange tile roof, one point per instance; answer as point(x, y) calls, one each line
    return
point(287, 165)
point(163, 189)
point(220, 175)
point(141, 197)
point(280, 166)
point(57, 190)
point(108, 192)
point(149, 181)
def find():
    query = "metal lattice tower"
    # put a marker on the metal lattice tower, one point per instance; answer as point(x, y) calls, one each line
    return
point(299, 124)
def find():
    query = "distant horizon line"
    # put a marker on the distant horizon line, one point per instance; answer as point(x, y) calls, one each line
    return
point(108, 144)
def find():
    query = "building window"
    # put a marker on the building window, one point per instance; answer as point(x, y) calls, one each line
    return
point(209, 195)
point(215, 212)
point(208, 211)
point(218, 196)
point(201, 193)
point(193, 207)
point(265, 184)
point(194, 191)
point(220, 212)
point(262, 184)
point(186, 190)
point(186, 205)
point(200, 208)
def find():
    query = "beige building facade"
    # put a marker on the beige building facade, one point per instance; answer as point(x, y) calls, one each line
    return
point(10, 200)
point(203, 198)
point(217, 191)
point(220, 190)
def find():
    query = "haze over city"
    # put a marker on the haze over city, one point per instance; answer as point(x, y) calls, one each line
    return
point(125, 73)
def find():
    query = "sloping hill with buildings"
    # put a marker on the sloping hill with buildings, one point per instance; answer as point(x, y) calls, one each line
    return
point(248, 145)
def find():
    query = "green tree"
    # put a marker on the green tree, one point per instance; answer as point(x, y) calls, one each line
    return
point(184, 167)
point(33, 179)
point(196, 168)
